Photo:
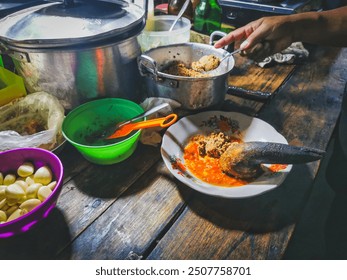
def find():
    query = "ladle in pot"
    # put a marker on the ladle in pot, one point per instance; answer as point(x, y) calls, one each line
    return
point(243, 160)
point(209, 63)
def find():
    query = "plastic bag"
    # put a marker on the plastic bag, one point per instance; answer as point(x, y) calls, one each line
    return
point(152, 136)
point(32, 121)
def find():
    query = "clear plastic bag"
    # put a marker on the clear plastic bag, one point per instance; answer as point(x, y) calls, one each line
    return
point(32, 121)
point(152, 136)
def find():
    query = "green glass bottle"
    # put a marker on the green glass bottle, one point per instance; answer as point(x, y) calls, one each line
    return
point(207, 17)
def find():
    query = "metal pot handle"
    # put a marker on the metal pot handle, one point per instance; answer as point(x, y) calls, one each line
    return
point(215, 34)
point(20, 56)
point(147, 65)
point(4, 49)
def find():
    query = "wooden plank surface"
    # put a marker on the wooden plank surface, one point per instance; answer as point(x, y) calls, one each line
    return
point(129, 228)
point(312, 90)
point(260, 227)
point(249, 79)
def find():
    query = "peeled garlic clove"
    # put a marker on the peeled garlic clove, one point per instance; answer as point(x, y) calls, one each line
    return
point(26, 169)
point(2, 203)
point(31, 191)
point(14, 192)
point(43, 175)
point(1, 178)
point(10, 210)
point(30, 180)
point(2, 191)
point(9, 179)
point(5, 207)
point(24, 198)
point(16, 214)
point(52, 185)
point(22, 184)
point(43, 193)
point(3, 216)
point(30, 204)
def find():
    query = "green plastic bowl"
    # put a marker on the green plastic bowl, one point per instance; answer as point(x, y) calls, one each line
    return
point(85, 126)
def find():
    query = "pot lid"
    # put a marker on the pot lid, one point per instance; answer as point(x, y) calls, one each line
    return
point(71, 22)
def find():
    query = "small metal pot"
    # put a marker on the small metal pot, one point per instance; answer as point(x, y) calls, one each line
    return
point(192, 93)
point(77, 50)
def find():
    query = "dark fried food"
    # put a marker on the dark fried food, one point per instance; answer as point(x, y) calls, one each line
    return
point(236, 161)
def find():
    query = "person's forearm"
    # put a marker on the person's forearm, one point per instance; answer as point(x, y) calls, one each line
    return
point(322, 28)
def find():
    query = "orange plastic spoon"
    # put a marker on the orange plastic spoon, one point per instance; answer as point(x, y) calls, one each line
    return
point(127, 128)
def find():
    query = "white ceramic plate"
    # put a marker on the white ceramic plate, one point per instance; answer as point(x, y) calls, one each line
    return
point(247, 128)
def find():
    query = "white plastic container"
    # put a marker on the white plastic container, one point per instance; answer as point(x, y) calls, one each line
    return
point(158, 34)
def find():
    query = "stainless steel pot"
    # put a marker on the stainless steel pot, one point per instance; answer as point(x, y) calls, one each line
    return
point(192, 93)
point(76, 50)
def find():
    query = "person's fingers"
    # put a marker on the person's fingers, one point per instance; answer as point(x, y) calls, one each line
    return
point(237, 45)
point(252, 33)
point(257, 36)
point(233, 36)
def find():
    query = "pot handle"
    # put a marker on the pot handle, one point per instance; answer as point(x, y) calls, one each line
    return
point(215, 34)
point(249, 94)
point(4, 49)
point(147, 65)
point(20, 56)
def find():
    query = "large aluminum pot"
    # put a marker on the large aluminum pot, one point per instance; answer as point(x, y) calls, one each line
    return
point(78, 75)
point(77, 50)
point(192, 93)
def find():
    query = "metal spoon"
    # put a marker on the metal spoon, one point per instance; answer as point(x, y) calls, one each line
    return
point(180, 14)
point(214, 71)
point(229, 54)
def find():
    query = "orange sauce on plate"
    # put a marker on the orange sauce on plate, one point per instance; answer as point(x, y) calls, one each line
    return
point(277, 167)
point(207, 168)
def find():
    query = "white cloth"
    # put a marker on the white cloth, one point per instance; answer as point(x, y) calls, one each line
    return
point(293, 54)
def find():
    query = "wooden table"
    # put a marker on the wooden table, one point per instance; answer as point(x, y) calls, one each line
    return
point(137, 210)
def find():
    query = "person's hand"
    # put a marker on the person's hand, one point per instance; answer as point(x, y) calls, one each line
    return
point(261, 38)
